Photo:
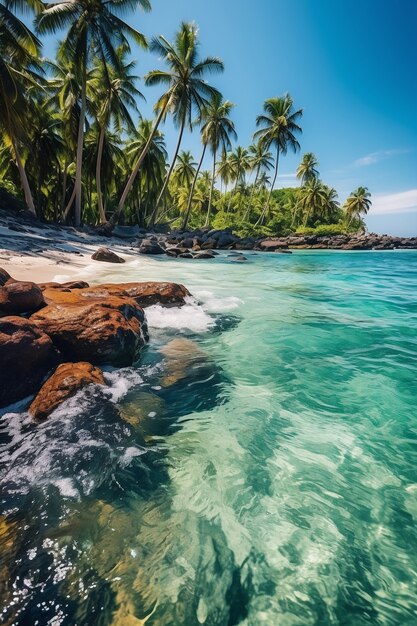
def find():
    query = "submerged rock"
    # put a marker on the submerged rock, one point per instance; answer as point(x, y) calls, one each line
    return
point(108, 330)
point(27, 354)
point(206, 254)
point(17, 297)
point(107, 255)
point(239, 259)
point(67, 379)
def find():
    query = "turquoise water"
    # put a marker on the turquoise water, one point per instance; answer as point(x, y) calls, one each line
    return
point(264, 474)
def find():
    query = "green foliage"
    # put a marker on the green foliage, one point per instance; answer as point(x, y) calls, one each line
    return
point(74, 146)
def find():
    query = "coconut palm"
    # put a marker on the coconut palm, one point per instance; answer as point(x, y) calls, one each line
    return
point(357, 204)
point(307, 168)
point(260, 160)
point(312, 198)
point(187, 92)
point(217, 133)
point(19, 49)
point(330, 206)
point(191, 192)
point(114, 91)
point(185, 169)
point(278, 127)
point(151, 175)
point(94, 29)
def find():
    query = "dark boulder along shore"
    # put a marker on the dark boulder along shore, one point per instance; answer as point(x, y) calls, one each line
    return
point(46, 325)
point(203, 243)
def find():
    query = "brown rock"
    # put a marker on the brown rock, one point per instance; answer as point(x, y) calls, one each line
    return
point(27, 354)
point(4, 277)
point(107, 255)
point(107, 330)
point(72, 284)
point(67, 379)
point(273, 244)
point(18, 297)
point(144, 294)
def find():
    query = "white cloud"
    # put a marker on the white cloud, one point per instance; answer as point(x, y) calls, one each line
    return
point(375, 157)
point(402, 202)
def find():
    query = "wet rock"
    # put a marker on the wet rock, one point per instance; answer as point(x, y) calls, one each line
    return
point(27, 354)
point(185, 255)
point(239, 259)
point(144, 294)
point(107, 255)
point(272, 244)
point(204, 255)
point(126, 232)
point(67, 379)
point(107, 330)
point(150, 246)
point(209, 244)
point(17, 297)
point(71, 284)
point(4, 277)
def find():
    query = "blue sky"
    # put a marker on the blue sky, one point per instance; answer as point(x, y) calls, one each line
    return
point(350, 64)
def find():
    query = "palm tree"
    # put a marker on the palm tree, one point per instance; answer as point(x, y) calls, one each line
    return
point(19, 50)
point(331, 204)
point(185, 169)
point(94, 28)
point(357, 204)
point(261, 160)
point(217, 133)
point(115, 93)
point(197, 171)
point(278, 127)
point(152, 171)
point(307, 168)
point(240, 163)
point(312, 198)
point(187, 92)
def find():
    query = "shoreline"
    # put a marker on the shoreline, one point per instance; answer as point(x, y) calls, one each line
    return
point(40, 252)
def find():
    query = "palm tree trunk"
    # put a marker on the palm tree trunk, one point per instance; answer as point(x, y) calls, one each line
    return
point(24, 179)
point(190, 197)
point(101, 211)
point(80, 146)
point(211, 189)
point(264, 210)
point(136, 168)
point(168, 176)
point(258, 170)
point(64, 188)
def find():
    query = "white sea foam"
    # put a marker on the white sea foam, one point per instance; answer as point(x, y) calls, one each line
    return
point(120, 382)
point(215, 304)
point(191, 317)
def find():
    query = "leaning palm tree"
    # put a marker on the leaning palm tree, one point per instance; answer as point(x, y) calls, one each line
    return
point(19, 50)
point(94, 28)
point(307, 168)
point(187, 93)
point(185, 169)
point(115, 95)
point(278, 127)
point(217, 132)
point(357, 204)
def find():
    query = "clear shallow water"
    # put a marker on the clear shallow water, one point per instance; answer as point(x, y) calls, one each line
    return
point(264, 474)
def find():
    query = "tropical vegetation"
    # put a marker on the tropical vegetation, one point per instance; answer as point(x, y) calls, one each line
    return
point(75, 148)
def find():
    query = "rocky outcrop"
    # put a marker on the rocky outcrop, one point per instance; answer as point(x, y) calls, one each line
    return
point(368, 241)
point(67, 379)
point(144, 294)
point(107, 255)
point(150, 246)
point(17, 297)
point(4, 277)
point(72, 284)
point(108, 330)
point(27, 354)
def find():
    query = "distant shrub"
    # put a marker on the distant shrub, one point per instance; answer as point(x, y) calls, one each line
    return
point(324, 230)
